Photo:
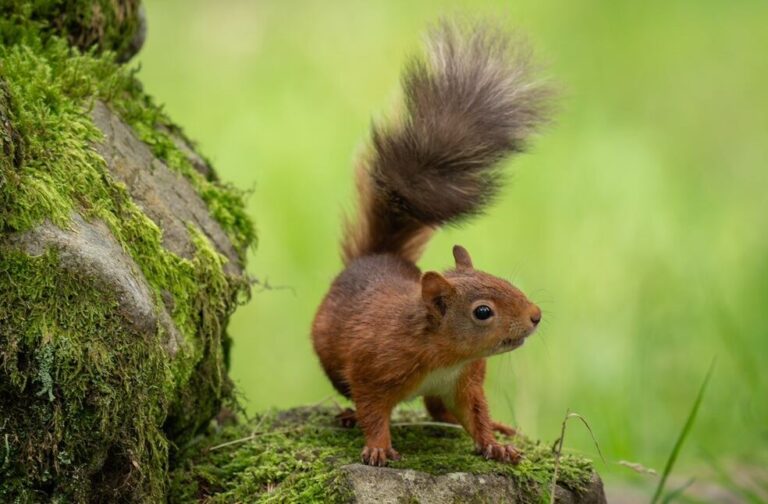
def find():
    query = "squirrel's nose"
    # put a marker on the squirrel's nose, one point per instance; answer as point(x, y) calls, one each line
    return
point(535, 315)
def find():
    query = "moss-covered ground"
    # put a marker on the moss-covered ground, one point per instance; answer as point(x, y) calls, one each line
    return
point(90, 410)
point(296, 455)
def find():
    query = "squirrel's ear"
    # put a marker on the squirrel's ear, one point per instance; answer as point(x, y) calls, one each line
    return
point(434, 290)
point(463, 261)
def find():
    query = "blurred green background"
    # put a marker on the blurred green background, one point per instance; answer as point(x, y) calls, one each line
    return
point(637, 221)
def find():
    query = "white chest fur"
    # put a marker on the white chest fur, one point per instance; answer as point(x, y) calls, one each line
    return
point(440, 382)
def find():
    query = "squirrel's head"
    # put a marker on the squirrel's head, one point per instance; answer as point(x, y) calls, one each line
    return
point(480, 314)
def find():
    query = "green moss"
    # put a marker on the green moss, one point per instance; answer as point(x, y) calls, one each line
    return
point(63, 349)
point(88, 407)
point(100, 24)
point(53, 119)
point(295, 456)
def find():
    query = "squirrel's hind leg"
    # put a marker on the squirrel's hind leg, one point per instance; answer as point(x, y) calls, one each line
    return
point(438, 411)
point(347, 418)
point(504, 429)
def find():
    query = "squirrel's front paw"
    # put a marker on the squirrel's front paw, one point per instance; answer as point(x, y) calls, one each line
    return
point(378, 456)
point(502, 453)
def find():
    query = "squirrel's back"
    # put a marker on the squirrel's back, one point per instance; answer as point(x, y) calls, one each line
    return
point(470, 102)
point(366, 294)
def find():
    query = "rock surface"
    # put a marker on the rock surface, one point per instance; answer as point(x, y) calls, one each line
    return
point(374, 485)
point(166, 196)
point(88, 250)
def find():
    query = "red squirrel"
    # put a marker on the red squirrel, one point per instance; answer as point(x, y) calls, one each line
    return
point(386, 332)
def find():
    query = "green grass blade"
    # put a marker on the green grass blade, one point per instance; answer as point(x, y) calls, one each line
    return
point(557, 448)
point(683, 434)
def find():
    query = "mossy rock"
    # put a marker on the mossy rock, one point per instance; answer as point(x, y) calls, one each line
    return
point(303, 455)
point(118, 26)
point(121, 260)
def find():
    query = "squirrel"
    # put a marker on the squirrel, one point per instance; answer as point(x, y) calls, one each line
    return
point(386, 332)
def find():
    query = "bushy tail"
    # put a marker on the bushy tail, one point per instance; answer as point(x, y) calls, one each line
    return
point(471, 102)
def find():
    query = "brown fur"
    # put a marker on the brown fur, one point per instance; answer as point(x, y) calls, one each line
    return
point(384, 331)
point(470, 103)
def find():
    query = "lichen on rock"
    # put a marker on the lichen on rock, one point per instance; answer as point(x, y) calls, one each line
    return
point(303, 455)
point(112, 314)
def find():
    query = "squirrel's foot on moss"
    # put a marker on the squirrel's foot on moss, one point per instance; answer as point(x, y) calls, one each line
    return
point(347, 418)
point(504, 429)
point(501, 453)
point(378, 456)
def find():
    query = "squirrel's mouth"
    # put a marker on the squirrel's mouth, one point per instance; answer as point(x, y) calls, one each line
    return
point(510, 343)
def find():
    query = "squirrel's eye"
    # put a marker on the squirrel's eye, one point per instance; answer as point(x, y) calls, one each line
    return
point(483, 312)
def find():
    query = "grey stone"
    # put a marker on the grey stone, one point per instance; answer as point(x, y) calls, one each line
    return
point(165, 195)
point(395, 486)
point(89, 249)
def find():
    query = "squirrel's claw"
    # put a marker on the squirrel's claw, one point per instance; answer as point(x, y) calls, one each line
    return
point(378, 456)
point(501, 453)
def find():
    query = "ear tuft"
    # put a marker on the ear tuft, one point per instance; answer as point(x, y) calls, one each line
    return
point(434, 291)
point(463, 261)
